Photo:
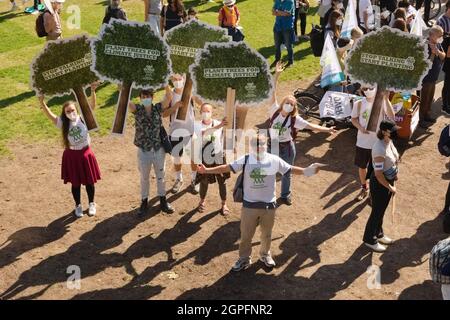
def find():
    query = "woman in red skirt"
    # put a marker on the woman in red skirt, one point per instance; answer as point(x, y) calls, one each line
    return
point(79, 165)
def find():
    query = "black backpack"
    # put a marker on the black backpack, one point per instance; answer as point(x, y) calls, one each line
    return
point(40, 28)
point(317, 39)
point(444, 142)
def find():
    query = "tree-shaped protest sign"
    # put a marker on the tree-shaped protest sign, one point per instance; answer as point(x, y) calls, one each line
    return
point(64, 67)
point(185, 40)
point(232, 73)
point(390, 60)
point(130, 54)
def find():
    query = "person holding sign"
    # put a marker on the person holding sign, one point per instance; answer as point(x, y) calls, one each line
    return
point(284, 122)
point(79, 165)
point(385, 163)
point(366, 139)
point(181, 132)
point(259, 201)
point(148, 123)
point(212, 156)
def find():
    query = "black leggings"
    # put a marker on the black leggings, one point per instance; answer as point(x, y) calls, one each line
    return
point(302, 17)
point(76, 193)
point(380, 201)
point(222, 188)
point(446, 90)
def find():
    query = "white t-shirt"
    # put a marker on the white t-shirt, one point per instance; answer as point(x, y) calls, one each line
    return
point(362, 111)
point(181, 128)
point(366, 6)
point(284, 133)
point(387, 151)
point(260, 176)
point(215, 137)
point(78, 134)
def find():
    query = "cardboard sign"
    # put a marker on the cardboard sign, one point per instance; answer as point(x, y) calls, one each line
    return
point(336, 105)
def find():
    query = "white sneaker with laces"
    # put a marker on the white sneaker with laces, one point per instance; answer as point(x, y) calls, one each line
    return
point(177, 186)
point(268, 261)
point(79, 211)
point(377, 247)
point(241, 264)
point(385, 240)
point(92, 209)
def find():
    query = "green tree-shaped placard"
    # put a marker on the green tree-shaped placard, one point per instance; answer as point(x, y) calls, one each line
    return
point(185, 40)
point(231, 65)
point(64, 67)
point(130, 54)
point(390, 60)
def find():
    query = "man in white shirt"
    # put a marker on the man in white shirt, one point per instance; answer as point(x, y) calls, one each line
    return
point(259, 200)
point(366, 17)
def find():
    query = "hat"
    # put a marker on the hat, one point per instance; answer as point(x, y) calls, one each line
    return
point(388, 125)
point(229, 2)
point(59, 1)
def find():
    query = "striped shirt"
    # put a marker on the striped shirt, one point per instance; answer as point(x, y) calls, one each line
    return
point(444, 23)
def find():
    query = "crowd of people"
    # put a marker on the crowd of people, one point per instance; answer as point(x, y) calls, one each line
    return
point(376, 157)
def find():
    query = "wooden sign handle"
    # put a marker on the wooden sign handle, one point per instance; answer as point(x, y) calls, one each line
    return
point(85, 108)
point(185, 98)
point(377, 107)
point(122, 108)
point(229, 114)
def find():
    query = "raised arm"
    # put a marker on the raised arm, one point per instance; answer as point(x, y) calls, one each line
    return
point(279, 68)
point(94, 86)
point(47, 110)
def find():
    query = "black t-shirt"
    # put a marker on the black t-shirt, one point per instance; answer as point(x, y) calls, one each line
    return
point(172, 18)
point(446, 46)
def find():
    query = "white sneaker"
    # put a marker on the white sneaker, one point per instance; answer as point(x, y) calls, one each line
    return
point(177, 186)
point(267, 260)
point(79, 211)
point(241, 264)
point(92, 209)
point(378, 247)
point(385, 240)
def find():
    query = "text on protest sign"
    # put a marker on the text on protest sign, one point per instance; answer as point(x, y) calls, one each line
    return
point(223, 73)
point(183, 51)
point(132, 52)
point(336, 105)
point(68, 68)
point(392, 62)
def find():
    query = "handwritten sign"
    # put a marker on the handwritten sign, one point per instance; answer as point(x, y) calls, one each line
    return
point(132, 52)
point(336, 105)
point(68, 68)
point(386, 61)
point(221, 73)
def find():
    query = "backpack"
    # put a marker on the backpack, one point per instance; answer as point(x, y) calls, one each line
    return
point(293, 129)
point(238, 190)
point(440, 262)
point(40, 27)
point(444, 142)
point(117, 13)
point(317, 40)
point(222, 10)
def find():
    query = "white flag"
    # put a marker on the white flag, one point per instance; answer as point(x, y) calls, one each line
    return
point(331, 68)
point(418, 25)
point(350, 20)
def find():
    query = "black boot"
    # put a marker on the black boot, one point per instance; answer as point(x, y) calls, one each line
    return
point(165, 206)
point(144, 207)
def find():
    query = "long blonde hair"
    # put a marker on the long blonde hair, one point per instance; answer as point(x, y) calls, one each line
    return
point(294, 112)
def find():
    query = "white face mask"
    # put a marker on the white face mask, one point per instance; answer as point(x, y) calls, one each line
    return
point(440, 40)
point(178, 84)
point(288, 107)
point(147, 102)
point(206, 116)
point(370, 93)
point(339, 22)
point(72, 116)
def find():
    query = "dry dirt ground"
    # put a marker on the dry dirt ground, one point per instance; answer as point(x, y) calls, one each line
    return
point(188, 255)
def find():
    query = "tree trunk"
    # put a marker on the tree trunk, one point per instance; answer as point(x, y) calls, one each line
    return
point(377, 107)
point(122, 108)
point(85, 108)
point(229, 135)
point(185, 98)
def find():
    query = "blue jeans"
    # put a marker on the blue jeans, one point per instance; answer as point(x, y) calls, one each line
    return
point(286, 37)
point(287, 153)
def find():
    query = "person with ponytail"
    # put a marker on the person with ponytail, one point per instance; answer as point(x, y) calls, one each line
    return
point(79, 165)
point(284, 122)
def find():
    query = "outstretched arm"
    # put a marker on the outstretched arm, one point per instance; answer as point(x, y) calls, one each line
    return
point(225, 168)
point(317, 128)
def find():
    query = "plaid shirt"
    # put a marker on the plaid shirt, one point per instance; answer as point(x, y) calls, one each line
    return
point(148, 127)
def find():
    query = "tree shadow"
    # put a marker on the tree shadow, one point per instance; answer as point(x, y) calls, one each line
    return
point(31, 238)
point(427, 290)
point(5, 15)
point(13, 100)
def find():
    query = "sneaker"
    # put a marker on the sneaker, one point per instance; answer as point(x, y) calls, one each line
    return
point(195, 188)
point(79, 211)
point(385, 240)
point(362, 195)
point(177, 186)
point(267, 260)
point(165, 206)
point(446, 110)
point(283, 47)
point(241, 264)
point(287, 201)
point(377, 247)
point(143, 208)
point(92, 209)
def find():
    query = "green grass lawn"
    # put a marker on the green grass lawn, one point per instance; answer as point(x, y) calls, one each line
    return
point(20, 117)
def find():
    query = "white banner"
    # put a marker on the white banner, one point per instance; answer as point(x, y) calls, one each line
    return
point(350, 21)
point(336, 105)
point(418, 25)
